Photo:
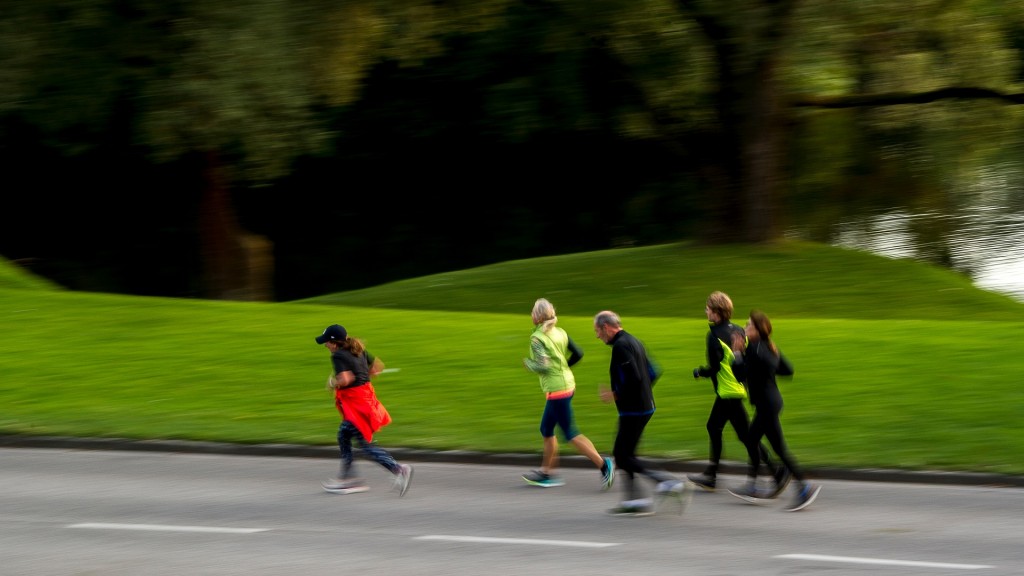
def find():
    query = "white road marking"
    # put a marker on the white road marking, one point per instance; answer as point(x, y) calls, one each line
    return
point(167, 528)
point(535, 542)
point(879, 561)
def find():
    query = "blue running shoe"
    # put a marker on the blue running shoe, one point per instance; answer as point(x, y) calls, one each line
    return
point(608, 476)
point(808, 492)
point(538, 478)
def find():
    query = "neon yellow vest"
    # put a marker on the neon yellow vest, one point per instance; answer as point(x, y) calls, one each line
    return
point(558, 377)
point(728, 385)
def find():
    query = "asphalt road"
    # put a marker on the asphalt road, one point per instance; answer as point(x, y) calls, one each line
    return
point(72, 511)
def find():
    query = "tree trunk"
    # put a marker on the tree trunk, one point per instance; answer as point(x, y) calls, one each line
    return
point(764, 139)
point(752, 123)
point(236, 265)
point(220, 249)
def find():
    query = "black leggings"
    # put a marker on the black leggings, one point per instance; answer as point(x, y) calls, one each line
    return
point(766, 424)
point(733, 411)
point(624, 451)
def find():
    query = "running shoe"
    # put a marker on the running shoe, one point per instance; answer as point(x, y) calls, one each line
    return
point(751, 493)
point(608, 476)
point(538, 478)
point(402, 479)
point(782, 478)
point(670, 488)
point(642, 507)
point(705, 481)
point(345, 485)
point(808, 492)
point(632, 511)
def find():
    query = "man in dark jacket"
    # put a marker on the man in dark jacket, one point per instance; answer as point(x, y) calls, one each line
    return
point(632, 379)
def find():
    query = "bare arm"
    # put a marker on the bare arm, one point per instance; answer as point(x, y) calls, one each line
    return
point(376, 367)
point(341, 380)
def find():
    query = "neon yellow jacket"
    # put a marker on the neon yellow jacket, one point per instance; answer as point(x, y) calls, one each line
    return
point(548, 360)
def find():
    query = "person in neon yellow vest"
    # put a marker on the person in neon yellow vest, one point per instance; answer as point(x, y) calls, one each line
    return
point(552, 355)
point(730, 395)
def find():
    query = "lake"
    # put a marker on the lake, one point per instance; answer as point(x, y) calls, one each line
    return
point(983, 240)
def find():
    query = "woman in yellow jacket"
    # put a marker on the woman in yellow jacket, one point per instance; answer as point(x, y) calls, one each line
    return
point(552, 354)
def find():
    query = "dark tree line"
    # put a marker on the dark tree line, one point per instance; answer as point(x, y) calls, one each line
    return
point(285, 149)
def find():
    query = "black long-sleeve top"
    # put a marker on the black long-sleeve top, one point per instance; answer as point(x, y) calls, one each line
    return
point(630, 373)
point(758, 366)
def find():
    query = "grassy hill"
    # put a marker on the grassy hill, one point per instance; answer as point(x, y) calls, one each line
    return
point(897, 363)
point(787, 280)
point(13, 276)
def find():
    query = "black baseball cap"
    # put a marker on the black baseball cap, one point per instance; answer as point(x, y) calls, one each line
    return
point(332, 333)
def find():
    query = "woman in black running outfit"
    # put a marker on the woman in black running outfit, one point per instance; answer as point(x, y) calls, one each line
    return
point(757, 365)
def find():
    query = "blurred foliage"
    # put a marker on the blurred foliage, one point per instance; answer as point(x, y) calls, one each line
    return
point(558, 126)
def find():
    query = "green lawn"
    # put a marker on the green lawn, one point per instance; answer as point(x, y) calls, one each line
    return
point(897, 363)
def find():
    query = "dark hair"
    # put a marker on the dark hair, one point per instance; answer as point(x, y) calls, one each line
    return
point(759, 320)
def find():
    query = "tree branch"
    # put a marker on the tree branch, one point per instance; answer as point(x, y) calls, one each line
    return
point(895, 98)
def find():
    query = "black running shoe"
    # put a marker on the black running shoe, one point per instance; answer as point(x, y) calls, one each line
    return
point(782, 478)
point(703, 480)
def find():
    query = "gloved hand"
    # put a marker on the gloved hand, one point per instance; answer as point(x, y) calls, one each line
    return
point(696, 372)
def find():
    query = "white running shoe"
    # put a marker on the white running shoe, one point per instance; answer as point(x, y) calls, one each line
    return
point(345, 485)
point(402, 479)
